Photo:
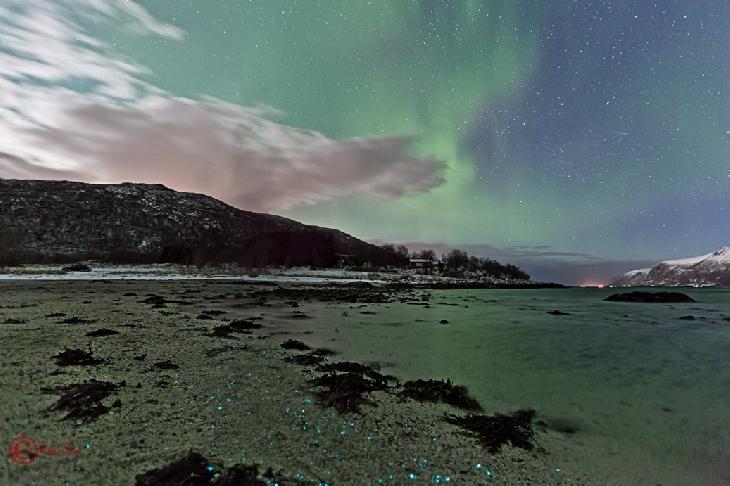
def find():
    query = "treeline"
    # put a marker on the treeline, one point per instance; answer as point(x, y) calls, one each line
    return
point(456, 262)
point(460, 261)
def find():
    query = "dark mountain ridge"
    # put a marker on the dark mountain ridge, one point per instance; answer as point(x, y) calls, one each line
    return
point(60, 221)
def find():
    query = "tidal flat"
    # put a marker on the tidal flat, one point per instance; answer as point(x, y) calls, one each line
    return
point(319, 384)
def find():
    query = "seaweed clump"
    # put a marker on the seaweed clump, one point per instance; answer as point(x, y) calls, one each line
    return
point(76, 357)
point(308, 359)
point(238, 326)
point(493, 431)
point(440, 391)
point(346, 384)
point(102, 333)
point(83, 400)
point(196, 470)
point(294, 344)
point(164, 365)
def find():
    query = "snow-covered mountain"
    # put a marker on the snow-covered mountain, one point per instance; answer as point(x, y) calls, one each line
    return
point(705, 270)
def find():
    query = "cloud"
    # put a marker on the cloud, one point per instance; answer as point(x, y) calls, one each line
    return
point(119, 127)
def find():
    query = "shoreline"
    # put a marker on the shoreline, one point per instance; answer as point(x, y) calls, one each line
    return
point(166, 411)
point(169, 272)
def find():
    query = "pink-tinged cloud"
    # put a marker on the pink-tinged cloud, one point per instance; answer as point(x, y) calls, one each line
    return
point(125, 129)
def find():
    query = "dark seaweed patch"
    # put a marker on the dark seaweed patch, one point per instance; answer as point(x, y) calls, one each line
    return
point(440, 391)
point(345, 392)
point(102, 333)
point(493, 431)
point(358, 368)
point(213, 312)
point(346, 384)
point(308, 359)
point(240, 325)
point(77, 320)
point(237, 326)
point(164, 365)
point(83, 400)
point(557, 312)
point(294, 344)
point(191, 470)
point(221, 331)
point(196, 470)
point(76, 357)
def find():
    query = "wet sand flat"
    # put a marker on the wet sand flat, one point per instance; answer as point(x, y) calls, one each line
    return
point(177, 385)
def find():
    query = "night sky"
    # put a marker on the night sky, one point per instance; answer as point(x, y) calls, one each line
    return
point(578, 139)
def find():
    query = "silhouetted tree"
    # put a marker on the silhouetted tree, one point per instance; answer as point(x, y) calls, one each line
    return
point(457, 259)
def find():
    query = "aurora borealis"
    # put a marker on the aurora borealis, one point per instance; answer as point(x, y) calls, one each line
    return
point(586, 134)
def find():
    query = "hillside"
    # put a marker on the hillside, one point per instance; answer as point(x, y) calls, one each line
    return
point(712, 269)
point(49, 221)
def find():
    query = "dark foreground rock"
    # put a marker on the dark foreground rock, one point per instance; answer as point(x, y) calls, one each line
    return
point(650, 297)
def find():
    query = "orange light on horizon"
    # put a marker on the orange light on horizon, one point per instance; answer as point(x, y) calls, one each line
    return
point(593, 284)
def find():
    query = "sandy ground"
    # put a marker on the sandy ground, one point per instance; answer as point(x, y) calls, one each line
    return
point(233, 400)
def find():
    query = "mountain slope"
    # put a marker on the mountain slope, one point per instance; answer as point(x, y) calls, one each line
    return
point(62, 221)
point(705, 270)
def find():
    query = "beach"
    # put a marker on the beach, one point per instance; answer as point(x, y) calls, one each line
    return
point(237, 399)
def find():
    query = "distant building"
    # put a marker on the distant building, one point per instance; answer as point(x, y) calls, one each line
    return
point(425, 265)
point(344, 260)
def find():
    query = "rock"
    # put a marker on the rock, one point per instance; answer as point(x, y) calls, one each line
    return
point(651, 297)
point(77, 267)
